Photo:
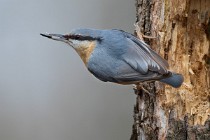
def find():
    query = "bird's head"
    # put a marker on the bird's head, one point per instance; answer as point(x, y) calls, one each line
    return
point(77, 38)
point(82, 40)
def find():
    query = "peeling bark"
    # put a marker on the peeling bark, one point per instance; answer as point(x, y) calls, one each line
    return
point(182, 31)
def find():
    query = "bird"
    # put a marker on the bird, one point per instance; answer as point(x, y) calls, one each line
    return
point(116, 56)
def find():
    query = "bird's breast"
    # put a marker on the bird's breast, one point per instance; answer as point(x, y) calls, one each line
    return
point(85, 50)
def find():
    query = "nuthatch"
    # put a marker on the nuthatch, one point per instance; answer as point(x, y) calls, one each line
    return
point(119, 57)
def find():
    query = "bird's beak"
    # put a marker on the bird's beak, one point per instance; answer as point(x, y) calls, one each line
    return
point(57, 37)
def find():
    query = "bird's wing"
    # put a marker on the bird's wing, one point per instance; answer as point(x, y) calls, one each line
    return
point(135, 76)
point(141, 58)
point(141, 63)
point(143, 45)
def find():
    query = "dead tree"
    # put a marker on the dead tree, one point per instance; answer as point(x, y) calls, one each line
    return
point(179, 31)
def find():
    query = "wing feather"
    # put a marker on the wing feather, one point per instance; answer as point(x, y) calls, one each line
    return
point(154, 61)
point(132, 59)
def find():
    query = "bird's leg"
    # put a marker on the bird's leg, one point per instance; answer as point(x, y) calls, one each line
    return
point(138, 86)
point(135, 89)
point(141, 35)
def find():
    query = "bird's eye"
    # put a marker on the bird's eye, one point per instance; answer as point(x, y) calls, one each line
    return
point(77, 37)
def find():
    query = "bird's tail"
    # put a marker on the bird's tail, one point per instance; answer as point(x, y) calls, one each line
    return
point(175, 80)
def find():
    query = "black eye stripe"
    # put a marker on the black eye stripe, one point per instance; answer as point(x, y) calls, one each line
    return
point(80, 37)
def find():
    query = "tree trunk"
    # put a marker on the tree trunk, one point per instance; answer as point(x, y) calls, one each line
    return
point(182, 31)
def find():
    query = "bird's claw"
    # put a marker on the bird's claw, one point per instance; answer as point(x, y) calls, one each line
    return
point(139, 86)
point(141, 35)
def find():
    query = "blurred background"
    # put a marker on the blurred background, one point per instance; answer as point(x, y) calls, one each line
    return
point(46, 93)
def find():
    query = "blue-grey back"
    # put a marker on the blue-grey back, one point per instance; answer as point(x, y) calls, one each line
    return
point(119, 56)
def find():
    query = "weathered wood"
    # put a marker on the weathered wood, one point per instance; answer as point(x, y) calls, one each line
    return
point(182, 31)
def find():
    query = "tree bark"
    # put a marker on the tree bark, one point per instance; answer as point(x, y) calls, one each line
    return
point(182, 31)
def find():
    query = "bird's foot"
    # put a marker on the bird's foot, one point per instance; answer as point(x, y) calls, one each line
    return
point(136, 91)
point(141, 35)
point(140, 86)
